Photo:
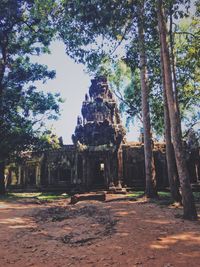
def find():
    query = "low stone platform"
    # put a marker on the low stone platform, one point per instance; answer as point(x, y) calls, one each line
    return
point(120, 191)
point(90, 196)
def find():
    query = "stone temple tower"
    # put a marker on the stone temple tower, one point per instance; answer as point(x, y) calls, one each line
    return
point(98, 137)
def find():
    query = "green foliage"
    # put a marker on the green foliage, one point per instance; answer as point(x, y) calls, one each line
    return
point(126, 86)
point(48, 140)
point(92, 29)
point(187, 51)
point(125, 83)
point(109, 45)
point(26, 28)
point(103, 34)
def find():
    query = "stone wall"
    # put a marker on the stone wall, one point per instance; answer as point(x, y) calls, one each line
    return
point(68, 168)
point(100, 157)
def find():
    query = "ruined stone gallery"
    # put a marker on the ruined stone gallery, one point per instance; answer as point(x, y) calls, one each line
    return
point(100, 157)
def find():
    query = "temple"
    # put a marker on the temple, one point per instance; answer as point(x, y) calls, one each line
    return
point(98, 137)
point(100, 157)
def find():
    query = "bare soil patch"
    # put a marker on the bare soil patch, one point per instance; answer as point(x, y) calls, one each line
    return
point(118, 232)
point(90, 223)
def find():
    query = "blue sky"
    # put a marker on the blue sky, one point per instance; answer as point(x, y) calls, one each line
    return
point(72, 83)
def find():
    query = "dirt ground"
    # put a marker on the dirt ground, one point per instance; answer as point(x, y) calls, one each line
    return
point(117, 232)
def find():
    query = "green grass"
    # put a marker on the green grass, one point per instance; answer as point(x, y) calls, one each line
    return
point(164, 197)
point(52, 196)
point(161, 194)
point(135, 194)
point(38, 196)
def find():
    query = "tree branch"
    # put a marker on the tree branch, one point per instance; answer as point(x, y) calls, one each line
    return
point(128, 27)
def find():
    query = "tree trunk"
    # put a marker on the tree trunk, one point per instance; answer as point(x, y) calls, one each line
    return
point(187, 196)
point(150, 190)
point(2, 179)
point(2, 184)
point(171, 163)
point(173, 68)
point(3, 62)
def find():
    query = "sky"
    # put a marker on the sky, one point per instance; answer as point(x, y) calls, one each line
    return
point(72, 82)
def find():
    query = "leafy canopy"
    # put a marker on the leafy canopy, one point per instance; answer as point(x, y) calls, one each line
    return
point(98, 32)
point(26, 28)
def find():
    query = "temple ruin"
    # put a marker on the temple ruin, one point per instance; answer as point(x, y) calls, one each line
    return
point(100, 157)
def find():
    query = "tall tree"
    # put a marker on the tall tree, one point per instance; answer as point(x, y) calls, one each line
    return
point(95, 30)
point(171, 163)
point(187, 196)
point(25, 29)
point(150, 189)
point(99, 33)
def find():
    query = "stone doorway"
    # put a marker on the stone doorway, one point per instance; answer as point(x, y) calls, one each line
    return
point(64, 175)
point(99, 174)
point(31, 175)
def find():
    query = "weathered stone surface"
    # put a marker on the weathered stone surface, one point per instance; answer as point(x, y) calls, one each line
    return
point(101, 122)
point(96, 196)
point(100, 158)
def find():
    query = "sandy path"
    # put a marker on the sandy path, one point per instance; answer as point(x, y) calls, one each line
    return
point(143, 235)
